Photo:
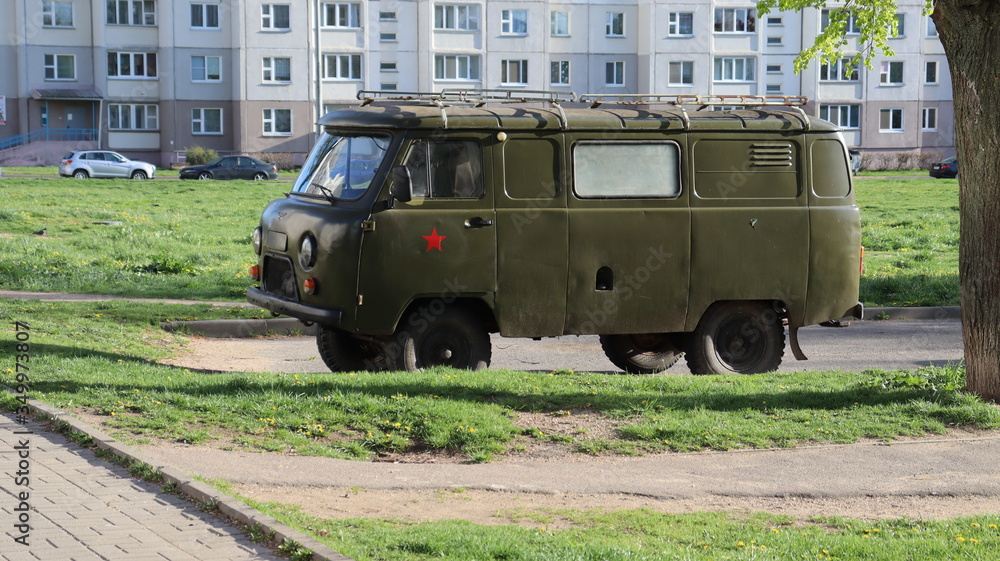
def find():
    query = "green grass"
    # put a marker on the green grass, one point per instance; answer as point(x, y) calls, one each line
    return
point(100, 358)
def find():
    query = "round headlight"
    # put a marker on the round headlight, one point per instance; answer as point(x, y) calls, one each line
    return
point(307, 252)
point(256, 240)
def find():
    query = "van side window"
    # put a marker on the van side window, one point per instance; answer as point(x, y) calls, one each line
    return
point(604, 170)
point(445, 169)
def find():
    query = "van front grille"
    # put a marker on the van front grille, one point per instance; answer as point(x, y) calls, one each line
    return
point(279, 278)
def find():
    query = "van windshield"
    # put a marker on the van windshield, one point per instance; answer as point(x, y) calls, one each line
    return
point(342, 167)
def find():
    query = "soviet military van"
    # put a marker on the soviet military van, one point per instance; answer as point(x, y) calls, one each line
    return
point(421, 224)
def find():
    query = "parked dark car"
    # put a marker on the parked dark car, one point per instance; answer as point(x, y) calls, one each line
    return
point(232, 167)
point(945, 168)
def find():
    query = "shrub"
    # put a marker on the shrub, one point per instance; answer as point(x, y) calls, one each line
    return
point(199, 155)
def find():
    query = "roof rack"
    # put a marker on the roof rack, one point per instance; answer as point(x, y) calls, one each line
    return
point(794, 102)
point(474, 97)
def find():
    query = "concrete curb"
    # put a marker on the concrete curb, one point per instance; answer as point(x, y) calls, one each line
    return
point(238, 328)
point(195, 490)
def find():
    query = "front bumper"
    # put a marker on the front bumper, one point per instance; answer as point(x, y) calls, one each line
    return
point(303, 312)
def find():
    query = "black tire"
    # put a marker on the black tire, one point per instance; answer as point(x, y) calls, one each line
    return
point(343, 352)
point(259, 176)
point(204, 175)
point(737, 338)
point(455, 337)
point(81, 174)
point(644, 353)
point(139, 175)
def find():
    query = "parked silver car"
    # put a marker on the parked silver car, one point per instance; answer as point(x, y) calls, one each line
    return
point(82, 164)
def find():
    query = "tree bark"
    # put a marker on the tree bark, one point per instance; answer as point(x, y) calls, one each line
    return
point(970, 33)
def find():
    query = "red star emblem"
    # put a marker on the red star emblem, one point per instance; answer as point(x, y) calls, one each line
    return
point(434, 240)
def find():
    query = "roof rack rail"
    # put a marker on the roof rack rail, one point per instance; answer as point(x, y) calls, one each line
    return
point(476, 97)
point(794, 102)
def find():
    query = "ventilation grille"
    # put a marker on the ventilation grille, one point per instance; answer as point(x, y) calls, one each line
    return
point(279, 278)
point(771, 154)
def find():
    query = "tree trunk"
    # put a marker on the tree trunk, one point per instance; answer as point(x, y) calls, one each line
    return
point(971, 37)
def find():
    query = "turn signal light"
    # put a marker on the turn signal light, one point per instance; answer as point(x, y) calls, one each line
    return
point(861, 266)
point(255, 272)
point(309, 286)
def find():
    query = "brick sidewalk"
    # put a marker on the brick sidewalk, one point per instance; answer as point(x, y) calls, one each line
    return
point(85, 509)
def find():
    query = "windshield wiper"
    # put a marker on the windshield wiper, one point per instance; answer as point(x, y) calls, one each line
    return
point(327, 193)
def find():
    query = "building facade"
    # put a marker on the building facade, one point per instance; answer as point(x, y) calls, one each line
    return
point(153, 77)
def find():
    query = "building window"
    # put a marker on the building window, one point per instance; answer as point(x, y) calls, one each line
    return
point(124, 116)
point(206, 121)
point(928, 121)
point(614, 73)
point(342, 15)
point(462, 17)
point(739, 69)
point(559, 24)
point(843, 116)
point(456, 67)
point(513, 22)
point(735, 20)
point(57, 14)
point(837, 71)
point(206, 68)
point(931, 72)
point(342, 67)
point(131, 65)
point(388, 67)
point(387, 16)
point(131, 12)
point(277, 69)
point(275, 17)
point(278, 122)
point(560, 73)
point(389, 87)
point(773, 69)
point(931, 28)
point(851, 24)
point(680, 73)
point(204, 16)
point(772, 89)
point(387, 37)
point(775, 21)
point(614, 24)
point(890, 120)
point(774, 41)
point(891, 73)
point(514, 72)
point(60, 67)
point(900, 29)
point(680, 24)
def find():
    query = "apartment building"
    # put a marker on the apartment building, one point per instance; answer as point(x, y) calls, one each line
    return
point(153, 77)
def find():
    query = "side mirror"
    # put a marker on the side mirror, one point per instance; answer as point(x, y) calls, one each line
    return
point(400, 189)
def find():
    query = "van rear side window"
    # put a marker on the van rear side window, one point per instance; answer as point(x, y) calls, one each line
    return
point(608, 170)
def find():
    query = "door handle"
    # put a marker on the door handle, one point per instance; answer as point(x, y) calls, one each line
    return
point(477, 222)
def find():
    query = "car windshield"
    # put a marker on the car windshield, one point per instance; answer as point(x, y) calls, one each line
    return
point(342, 167)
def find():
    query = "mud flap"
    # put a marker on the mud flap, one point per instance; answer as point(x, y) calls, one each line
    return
point(793, 341)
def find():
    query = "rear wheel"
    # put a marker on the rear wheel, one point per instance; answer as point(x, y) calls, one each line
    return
point(456, 337)
point(645, 353)
point(737, 338)
point(259, 176)
point(81, 174)
point(343, 352)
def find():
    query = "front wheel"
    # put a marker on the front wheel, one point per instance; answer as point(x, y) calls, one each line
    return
point(737, 338)
point(204, 175)
point(139, 175)
point(342, 352)
point(647, 353)
point(455, 337)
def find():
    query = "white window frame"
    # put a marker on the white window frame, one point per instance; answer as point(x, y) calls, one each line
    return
point(615, 69)
point(54, 67)
point(773, 41)
point(613, 21)
point(386, 16)
point(136, 12)
point(514, 72)
point(126, 60)
point(928, 64)
point(559, 73)
point(835, 72)
point(775, 21)
point(269, 69)
point(140, 117)
point(348, 67)
point(340, 12)
point(456, 17)
point(206, 68)
point(900, 26)
point(724, 24)
point(387, 37)
point(206, 9)
point(50, 14)
point(892, 113)
point(680, 65)
point(851, 28)
point(467, 64)
point(268, 16)
point(849, 112)
point(928, 114)
point(886, 71)
point(773, 69)
point(772, 89)
point(388, 67)
point(734, 69)
point(270, 120)
point(930, 30)
point(199, 120)
point(676, 24)
point(558, 23)
point(512, 21)
point(389, 86)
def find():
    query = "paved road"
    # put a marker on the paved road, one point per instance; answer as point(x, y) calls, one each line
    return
point(892, 345)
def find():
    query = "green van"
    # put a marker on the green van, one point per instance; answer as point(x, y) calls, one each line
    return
point(421, 223)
